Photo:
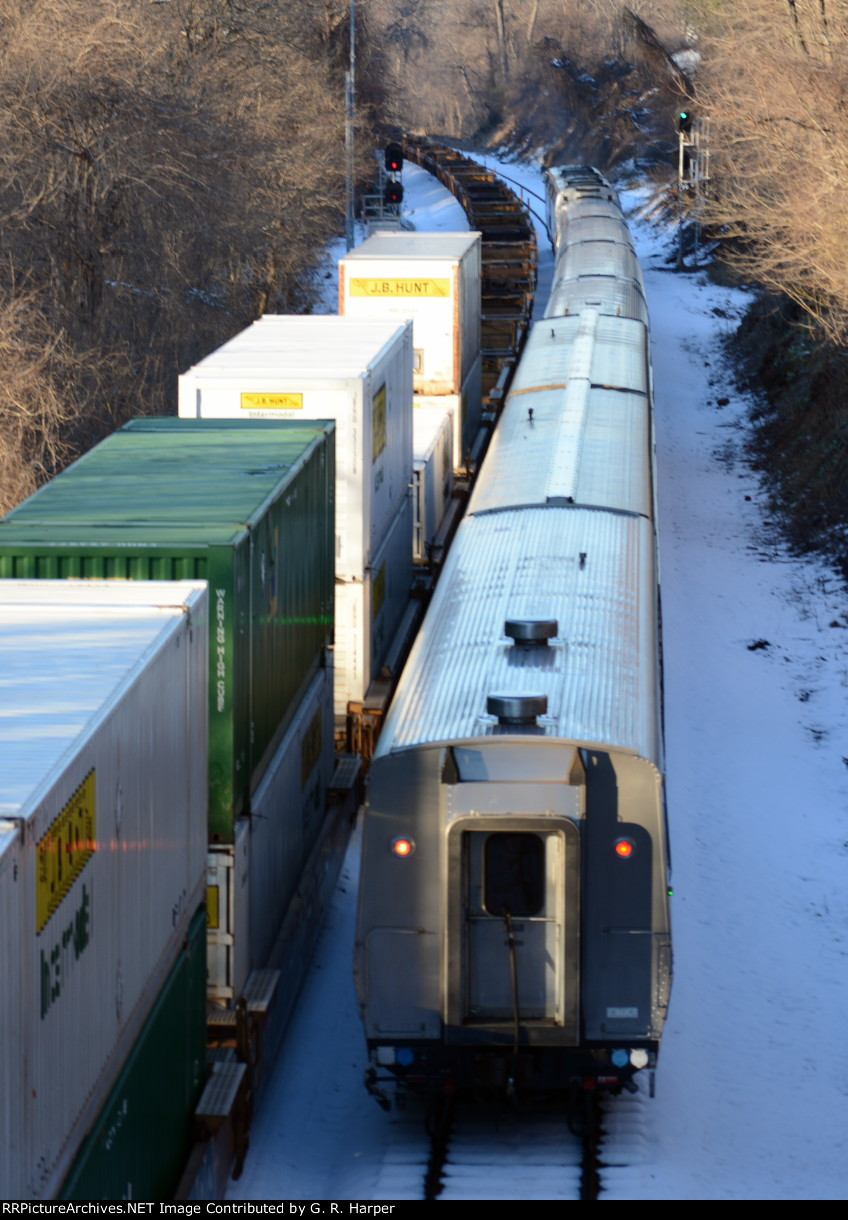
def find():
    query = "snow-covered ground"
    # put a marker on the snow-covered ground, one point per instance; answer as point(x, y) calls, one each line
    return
point(752, 1087)
point(752, 1093)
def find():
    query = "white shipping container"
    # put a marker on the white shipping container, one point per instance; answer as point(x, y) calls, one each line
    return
point(434, 279)
point(103, 773)
point(368, 613)
point(227, 916)
point(11, 1011)
point(432, 476)
point(355, 371)
point(466, 409)
point(287, 812)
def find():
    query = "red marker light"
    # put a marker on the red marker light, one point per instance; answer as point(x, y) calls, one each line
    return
point(402, 847)
point(624, 848)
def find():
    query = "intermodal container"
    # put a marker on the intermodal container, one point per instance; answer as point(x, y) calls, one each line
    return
point(252, 882)
point(432, 476)
point(434, 279)
point(228, 915)
point(139, 1143)
point(12, 1021)
point(289, 808)
point(357, 372)
point(247, 507)
point(369, 613)
point(103, 795)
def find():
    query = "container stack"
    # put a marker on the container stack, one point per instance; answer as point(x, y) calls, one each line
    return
point(357, 372)
point(434, 279)
point(250, 509)
point(103, 801)
point(432, 476)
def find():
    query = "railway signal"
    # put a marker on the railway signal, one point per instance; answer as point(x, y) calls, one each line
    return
point(394, 158)
point(693, 172)
point(393, 192)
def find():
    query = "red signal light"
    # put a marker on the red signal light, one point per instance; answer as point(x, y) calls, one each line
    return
point(624, 848)
point(403, 847)
point(394, 157)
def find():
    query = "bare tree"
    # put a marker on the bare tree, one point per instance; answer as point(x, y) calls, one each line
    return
point(502, 69)
point(775, 86)
point(167, 173)
point(36, 417)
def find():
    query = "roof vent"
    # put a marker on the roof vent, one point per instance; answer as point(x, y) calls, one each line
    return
point(517, 709)
point(527, 631)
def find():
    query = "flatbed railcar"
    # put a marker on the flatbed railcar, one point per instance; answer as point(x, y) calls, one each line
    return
point(513, 926)
point(508, 273)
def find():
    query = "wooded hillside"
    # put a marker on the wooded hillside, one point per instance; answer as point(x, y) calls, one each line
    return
point(168, 171)
point(774, 84)
point(171, 169)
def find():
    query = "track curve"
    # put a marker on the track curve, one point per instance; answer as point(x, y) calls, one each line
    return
point(510, 256)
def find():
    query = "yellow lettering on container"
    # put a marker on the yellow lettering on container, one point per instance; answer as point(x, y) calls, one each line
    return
point(399, 288)
point(213, 915)
point(378, 423)
point(272, 402)
point(63, 851)
point(378, 593)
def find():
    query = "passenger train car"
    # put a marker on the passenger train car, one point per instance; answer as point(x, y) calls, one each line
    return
point(513, 926)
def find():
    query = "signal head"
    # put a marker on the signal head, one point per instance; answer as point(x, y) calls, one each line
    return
point(394, 158)
point(393, 192)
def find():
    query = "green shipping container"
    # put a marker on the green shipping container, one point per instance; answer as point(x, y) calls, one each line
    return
point(140, 1142)
point(248, 506)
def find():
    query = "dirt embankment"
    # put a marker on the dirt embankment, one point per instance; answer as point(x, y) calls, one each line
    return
point(801, 424)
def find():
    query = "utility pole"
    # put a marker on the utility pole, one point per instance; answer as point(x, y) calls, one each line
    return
point(350, 158)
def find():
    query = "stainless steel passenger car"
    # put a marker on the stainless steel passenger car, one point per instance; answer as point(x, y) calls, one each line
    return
point(513, 926)
point(596, 265)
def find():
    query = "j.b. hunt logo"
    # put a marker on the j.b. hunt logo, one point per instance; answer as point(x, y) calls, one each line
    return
point(362, 287)
point(63, 851)
point(60, 856)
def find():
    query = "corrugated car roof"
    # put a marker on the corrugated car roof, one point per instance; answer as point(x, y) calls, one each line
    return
point(609, 351)
point(599, 675)
point(598, 257)
point(621, 298)
point(564, 450)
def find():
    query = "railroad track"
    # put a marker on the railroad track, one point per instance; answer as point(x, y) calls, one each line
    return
point(508, 262)
point(504, 1150)
point(508, 1151)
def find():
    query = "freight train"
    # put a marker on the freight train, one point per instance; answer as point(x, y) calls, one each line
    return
point(275, 540)
point(166, 755)
point(513, 925)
